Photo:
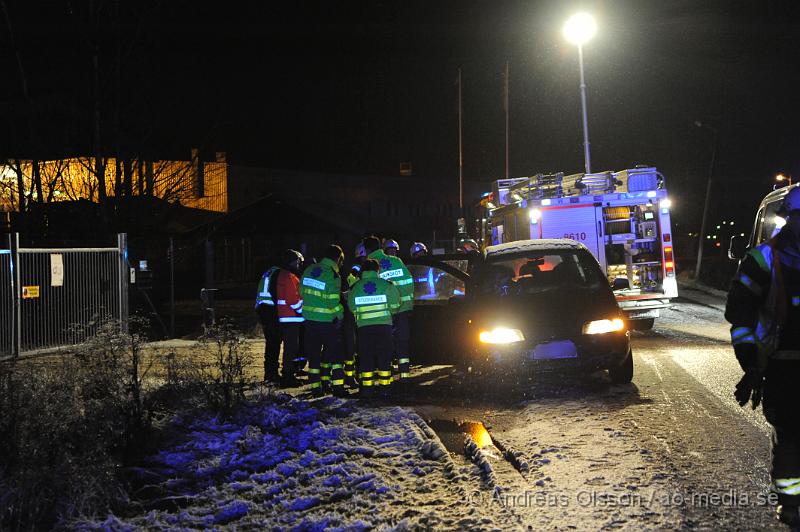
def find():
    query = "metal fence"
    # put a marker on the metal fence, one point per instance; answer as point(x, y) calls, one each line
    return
point(6, 304)
point(56, 297)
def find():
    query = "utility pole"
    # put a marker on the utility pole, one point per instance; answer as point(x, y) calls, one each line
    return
point(579, 29)
point(704, 221)
point(506, 82)
point(460, 154)
point(586, 158)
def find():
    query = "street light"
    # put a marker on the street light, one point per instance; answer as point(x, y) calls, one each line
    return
point(780, 178)
point(708, 197)
point(578, 30)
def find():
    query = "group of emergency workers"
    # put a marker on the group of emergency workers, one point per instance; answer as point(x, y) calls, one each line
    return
point(339, 331)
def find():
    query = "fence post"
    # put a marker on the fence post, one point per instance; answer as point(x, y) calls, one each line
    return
point(122, 287)
point(16, 293)
point(209, 262)
point(171, 287)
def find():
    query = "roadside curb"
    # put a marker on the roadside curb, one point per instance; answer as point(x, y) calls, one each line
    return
point(702, 295)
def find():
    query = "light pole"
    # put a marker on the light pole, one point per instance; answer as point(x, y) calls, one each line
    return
point(780, 178)
point(578, 30)
point(708, 198)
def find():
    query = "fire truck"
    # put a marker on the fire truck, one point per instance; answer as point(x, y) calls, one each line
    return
point(622, 217)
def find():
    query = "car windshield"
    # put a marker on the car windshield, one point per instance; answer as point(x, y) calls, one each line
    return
point(770, 222)
point(535, 272)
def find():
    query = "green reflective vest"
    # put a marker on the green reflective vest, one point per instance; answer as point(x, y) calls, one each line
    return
point(393, 269)
point(320, 288)
point(772, 313)
point(264, 297)
point(373, 300)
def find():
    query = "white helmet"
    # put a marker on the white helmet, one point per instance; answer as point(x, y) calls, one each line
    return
point(390, 244)
point(418, 248)
point(792, 201)
point(360, 250)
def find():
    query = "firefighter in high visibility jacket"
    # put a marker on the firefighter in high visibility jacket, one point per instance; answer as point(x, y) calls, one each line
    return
point(373, 301)
point(290, 315)
point(321, 290)
point(392, 269)
point(764, 311)
point(267, 316)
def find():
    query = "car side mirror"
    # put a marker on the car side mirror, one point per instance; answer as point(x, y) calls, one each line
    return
point(737, 247)
point(620, 283)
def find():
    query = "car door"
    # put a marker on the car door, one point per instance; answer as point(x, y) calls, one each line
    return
point(441, 301)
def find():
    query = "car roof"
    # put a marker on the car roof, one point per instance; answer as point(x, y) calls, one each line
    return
point(777, 194)
point(539, 245)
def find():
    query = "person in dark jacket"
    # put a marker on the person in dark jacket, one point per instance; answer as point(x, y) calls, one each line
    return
point(268, 317)
point(764, 311)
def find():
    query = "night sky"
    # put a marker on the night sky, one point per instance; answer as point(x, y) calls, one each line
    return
point(358, 87)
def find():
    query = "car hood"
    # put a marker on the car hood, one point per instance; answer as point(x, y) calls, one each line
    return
point(554, 313)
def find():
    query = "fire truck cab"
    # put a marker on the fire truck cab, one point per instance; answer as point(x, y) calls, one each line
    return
point(622, 217)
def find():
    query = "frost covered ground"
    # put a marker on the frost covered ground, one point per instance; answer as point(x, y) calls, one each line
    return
point(669, 451)
point(287, 463)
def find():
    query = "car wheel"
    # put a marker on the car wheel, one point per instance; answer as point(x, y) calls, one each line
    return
point(642, 325)
point(622, 374)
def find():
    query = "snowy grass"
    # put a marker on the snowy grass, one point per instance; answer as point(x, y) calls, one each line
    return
point(166, 438)
point(72, 422)
point(290, 464)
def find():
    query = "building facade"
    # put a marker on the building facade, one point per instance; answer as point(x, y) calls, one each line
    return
point(193, 183)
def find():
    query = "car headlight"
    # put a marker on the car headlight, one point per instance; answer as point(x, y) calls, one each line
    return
point(501, 335)
point(603, 326)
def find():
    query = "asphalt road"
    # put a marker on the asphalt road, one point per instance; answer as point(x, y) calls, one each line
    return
point(670, 450)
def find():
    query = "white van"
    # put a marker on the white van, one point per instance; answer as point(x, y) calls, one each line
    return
point(767, 223)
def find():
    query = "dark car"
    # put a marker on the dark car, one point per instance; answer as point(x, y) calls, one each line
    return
point(541, 304)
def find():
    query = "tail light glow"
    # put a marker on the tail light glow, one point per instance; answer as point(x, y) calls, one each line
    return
point(669, 262)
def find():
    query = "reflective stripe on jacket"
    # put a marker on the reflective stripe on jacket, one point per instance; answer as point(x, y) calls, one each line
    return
point(264, 297)
point(373, 300)
point(392, 269)
point(320, 288)
point(756, 306)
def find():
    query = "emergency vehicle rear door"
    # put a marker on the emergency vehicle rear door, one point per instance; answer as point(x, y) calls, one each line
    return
point(582, 222)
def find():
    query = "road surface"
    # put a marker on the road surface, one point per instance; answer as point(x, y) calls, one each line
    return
point(672, 449)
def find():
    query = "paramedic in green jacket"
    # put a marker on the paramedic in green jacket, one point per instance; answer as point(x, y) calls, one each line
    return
point(392, 269)
point(321, 290)
point(373, 301)
point(349, 325)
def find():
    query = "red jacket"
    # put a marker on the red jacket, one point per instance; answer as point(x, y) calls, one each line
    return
point(290, 306)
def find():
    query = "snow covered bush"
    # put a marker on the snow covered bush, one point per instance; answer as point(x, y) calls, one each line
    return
point(112, 371)
point(226, 380)
point(67, 422)
point(54, 464)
